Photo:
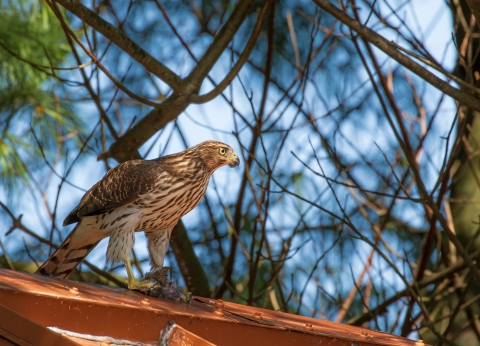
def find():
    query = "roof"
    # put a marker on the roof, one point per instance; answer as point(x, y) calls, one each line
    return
point(106, 312)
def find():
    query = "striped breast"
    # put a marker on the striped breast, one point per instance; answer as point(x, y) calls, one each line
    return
point(173, 197)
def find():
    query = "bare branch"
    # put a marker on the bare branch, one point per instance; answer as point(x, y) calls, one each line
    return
point(118, 37)
point(389, 49)
point(219, 44)
point(239, 64)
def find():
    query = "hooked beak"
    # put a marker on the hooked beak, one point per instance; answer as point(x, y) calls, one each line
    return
point(234, 160)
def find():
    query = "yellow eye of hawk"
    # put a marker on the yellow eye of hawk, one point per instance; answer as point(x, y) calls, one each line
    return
point(222, 151)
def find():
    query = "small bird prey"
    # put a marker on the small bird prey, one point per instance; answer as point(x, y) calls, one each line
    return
point(148, 195)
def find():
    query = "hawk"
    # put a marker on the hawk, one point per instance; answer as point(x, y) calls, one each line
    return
point(148, 195)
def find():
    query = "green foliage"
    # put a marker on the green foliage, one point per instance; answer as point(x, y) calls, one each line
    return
point(31, 38)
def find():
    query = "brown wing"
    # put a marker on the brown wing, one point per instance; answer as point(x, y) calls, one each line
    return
point(121, 185)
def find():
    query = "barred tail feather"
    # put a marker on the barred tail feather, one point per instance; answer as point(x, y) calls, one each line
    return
point(67, 257)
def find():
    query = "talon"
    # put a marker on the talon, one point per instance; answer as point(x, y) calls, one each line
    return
point(139, 285)
point(133, 284)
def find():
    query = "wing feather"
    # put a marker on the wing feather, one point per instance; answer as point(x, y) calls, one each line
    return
point(120, 185)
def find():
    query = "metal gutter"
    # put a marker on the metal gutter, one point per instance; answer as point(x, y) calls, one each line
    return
point(118, 313)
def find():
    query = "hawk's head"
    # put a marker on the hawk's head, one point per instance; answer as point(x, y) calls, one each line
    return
point(216, 154)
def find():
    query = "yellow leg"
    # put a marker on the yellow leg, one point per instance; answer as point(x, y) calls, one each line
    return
point(132, 283)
